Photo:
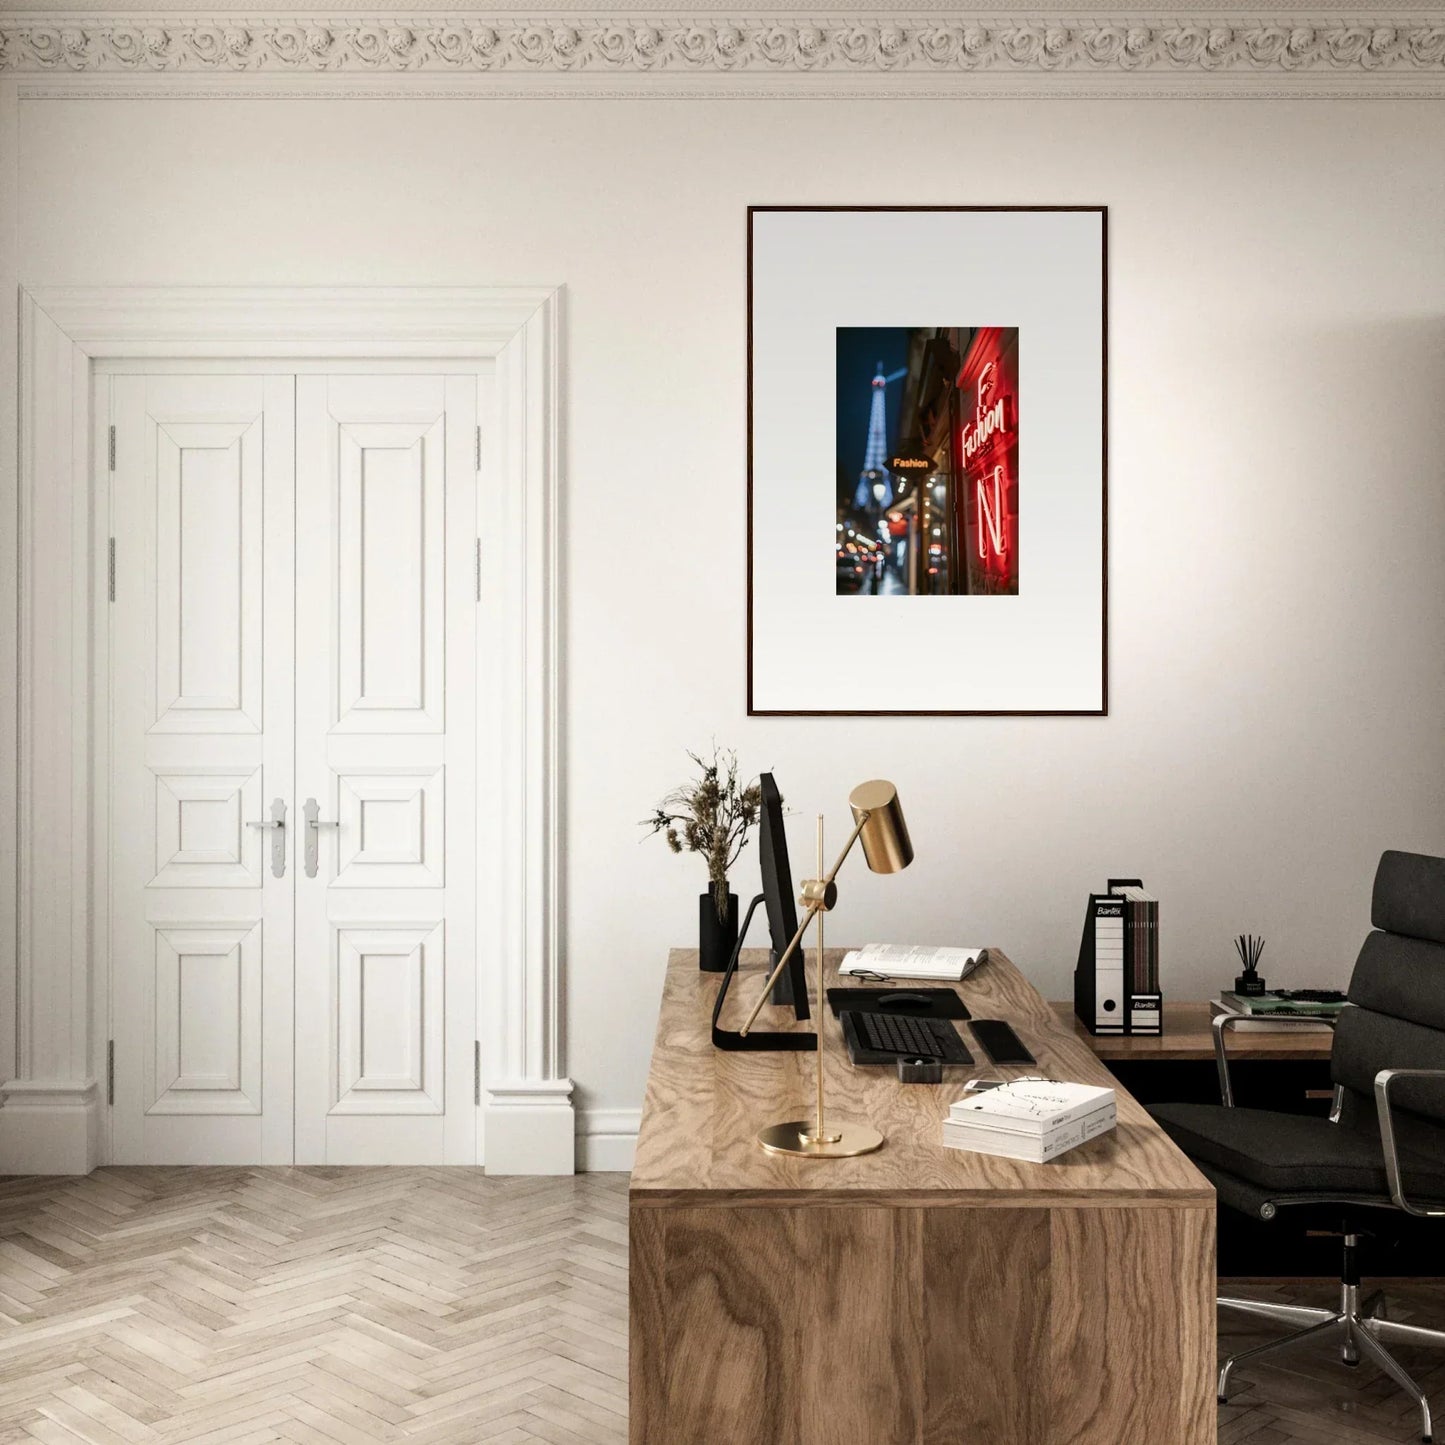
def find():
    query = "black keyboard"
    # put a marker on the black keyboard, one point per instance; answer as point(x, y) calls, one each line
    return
point(900, 1036)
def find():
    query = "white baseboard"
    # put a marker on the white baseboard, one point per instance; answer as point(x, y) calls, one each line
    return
point(55, 1129)
point(607, 1140)
point(49, 1127)
point(531, 1128)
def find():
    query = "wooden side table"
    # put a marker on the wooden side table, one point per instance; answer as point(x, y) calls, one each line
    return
point(1187, 1036)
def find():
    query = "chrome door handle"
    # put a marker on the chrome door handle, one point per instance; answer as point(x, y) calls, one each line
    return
point(314, 825)
point(276, 822)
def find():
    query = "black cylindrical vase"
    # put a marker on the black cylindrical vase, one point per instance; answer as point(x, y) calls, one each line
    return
point(716, 937)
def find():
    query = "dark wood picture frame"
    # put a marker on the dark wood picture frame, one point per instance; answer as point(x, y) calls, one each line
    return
point(1103, 709)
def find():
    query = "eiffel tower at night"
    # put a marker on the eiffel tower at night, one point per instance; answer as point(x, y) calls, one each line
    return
point(875, 472)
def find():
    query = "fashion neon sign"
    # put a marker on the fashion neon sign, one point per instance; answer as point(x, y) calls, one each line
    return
point(989, 415)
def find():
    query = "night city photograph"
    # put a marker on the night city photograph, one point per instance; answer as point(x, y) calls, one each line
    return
point(927, 461)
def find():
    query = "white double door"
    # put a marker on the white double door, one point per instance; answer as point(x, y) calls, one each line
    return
point(292, 643)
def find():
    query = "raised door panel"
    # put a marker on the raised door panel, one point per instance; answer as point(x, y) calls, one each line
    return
point(391, 828)
point(390, 575)
point(201, 929)
point(202, 836)
point(209, 583)
point(205, 1050)
point(390, 1001)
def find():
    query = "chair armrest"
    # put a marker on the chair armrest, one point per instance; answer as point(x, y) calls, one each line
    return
point(1383, 1080)
point(1222, 1023)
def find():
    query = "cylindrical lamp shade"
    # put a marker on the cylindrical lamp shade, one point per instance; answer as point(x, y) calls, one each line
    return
point(885, 840)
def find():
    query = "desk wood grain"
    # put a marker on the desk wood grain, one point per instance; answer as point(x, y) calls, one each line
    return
point(919, 1295)
point(703, 1108)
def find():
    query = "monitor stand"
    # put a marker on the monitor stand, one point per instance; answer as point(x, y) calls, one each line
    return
point(757, 1040)
point(783, 989)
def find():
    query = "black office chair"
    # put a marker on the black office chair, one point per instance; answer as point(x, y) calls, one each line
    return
point(1382, 1150)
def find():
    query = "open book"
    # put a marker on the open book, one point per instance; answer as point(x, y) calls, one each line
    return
point(901, 960)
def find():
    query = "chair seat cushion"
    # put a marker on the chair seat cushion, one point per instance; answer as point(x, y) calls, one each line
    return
point(1293, 1153)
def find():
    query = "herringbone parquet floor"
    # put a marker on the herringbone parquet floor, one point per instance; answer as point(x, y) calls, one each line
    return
point(1307, 1395)
point(347, 1306)
point(326, 1306)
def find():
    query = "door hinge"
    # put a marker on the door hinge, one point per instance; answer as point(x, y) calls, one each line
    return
point(479, 449)
point(110, 1072)
point(477, 1072)
point(110, 569)
point(111, 446)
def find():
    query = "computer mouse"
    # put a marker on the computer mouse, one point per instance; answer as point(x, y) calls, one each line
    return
point(903, 1000)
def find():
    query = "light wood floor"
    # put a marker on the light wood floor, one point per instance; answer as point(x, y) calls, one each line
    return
point(317, 1305)
point(331, 1306)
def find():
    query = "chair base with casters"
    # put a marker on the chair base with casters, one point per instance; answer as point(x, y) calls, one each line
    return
point(1361, 1327)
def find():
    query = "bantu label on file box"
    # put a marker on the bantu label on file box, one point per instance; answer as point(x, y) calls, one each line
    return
point(1116, 982)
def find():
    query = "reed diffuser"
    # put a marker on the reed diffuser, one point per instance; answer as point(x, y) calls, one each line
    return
point(1249, 948)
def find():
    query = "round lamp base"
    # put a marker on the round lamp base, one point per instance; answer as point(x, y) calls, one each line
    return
point(844, 1141)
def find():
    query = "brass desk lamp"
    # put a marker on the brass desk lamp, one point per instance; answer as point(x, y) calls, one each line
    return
point(878, 823)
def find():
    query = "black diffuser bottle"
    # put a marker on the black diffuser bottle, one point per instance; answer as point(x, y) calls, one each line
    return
point(1249, 984)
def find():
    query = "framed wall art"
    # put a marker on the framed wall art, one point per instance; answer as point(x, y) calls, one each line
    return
point(927, 387)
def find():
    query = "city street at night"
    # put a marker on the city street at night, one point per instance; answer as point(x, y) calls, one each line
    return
point(927, 461)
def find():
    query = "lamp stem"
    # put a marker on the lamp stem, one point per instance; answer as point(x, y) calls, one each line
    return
point(814, 910)
point(822, 1014)
point(847, 847)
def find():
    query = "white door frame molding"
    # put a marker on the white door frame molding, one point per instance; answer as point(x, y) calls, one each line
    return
point(50, 1119)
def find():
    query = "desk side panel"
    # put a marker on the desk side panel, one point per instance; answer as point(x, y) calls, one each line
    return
point(986, 1299)
point(647, 1319)
point(777, 1326)
point(872, 1326)
point(1132, 1326)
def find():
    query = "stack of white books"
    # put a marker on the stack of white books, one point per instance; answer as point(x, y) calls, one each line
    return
point(1033, 1119)
point(902, 960)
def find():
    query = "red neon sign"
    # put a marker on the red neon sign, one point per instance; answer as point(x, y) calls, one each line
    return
point(990, 516)
point(985, 454)
point(991, 418)
point(990, 415)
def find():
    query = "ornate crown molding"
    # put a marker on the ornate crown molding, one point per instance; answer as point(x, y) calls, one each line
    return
point(766, 45)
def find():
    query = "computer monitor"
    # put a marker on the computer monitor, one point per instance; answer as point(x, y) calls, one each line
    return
point(791, 987)
point(777, 898)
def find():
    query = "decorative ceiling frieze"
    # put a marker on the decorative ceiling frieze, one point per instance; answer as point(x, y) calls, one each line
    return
point(1355, 51)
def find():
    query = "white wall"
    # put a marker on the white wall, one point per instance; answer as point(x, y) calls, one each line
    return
point(1277, 480)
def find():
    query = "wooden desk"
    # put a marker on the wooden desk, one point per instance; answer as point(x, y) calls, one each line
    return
point(919, 1294)
point(1188, 1036)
